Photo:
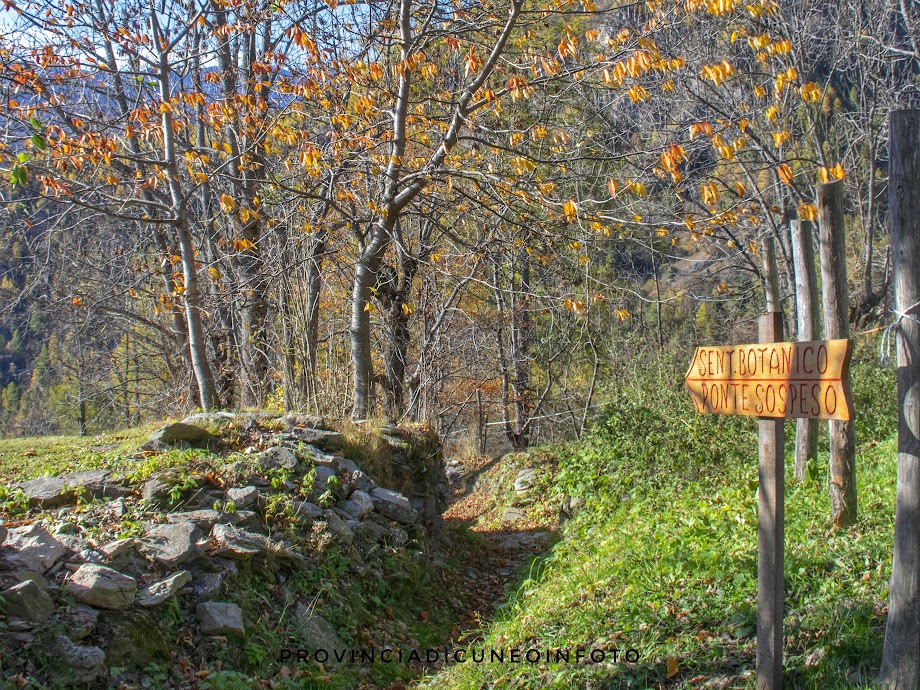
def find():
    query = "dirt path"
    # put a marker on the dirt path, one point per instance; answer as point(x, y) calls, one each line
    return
point(505, 549)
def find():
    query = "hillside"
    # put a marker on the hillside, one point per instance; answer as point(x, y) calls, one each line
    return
point(654, 562)
point(659, 561)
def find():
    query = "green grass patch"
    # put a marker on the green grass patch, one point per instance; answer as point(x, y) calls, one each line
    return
point(27, 458)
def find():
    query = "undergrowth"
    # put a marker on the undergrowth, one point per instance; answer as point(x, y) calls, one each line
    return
point(662, 557)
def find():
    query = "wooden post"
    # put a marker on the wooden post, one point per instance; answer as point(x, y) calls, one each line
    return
point(770, 506)
point(480, 424)
point(837, 325)
point(806, 309)
point(901, 657)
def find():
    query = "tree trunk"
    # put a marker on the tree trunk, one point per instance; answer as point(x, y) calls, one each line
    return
point(394, 360)
point(360, 328)
point(520, 355)
point(207, 393)
point(196, 336)
point(836, 325)
point(314, 291)
point(901, 657)
point(806, 309)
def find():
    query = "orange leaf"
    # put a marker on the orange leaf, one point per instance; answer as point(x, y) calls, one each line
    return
point(672, 667)
point(785, 173)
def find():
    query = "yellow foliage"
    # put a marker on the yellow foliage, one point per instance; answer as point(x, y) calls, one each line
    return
point(227, 203)
point(807, 212)
point(570, 210)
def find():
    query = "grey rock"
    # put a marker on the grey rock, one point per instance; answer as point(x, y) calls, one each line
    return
point(210, 418)
point(30, 575)
point(278, 457)
point(72, 543)
point(524, 480)
point(394, 505)
point(47, 492)
point(247, 519)
point(316, 632)
point(359, 480)
point(326, 440)
point(369, 532)
point(379, 519)
point(358, 504)
point(243, 496)
point(33, 548)
point(235, 543)
point(81, 621)
point(2, 534)
point(306, 508)
point(293, 420)
point(159, 488)
point(398, 434)
point(27, 601)
point(51, 492)
point(89, 556)
point(117, 549)
point(512, 514)
point(205, 584)
point(570, 507)
point(337, 527)
point(218, 618)
point(324, 480)
point(315, 456)
point(202, 519)
point(86, 662)
point(178, 433)
point(226, 566)
point(66, 527)
point(398, 537)
point(172, 544)
point(158, 592)
point(206, 499)
point(102, 587)
point(345, 466)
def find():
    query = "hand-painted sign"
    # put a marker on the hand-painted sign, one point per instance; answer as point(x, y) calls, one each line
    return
point(780, 380)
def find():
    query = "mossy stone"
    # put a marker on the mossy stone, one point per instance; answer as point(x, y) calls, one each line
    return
point(131, 638)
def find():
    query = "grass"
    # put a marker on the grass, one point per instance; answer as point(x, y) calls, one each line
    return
point(662, 559)
point(27, 458)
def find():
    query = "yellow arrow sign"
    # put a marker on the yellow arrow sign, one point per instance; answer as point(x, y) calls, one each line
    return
point(780, 380)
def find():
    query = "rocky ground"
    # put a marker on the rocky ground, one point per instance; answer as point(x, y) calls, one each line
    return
point(92, 561)
point(225, 539)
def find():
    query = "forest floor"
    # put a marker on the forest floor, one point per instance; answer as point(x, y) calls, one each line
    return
point(506, 547)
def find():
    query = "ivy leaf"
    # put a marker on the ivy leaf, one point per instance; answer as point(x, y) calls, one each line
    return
point(18, 176)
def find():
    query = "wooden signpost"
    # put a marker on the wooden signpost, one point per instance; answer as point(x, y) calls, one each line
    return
point(772, 380)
